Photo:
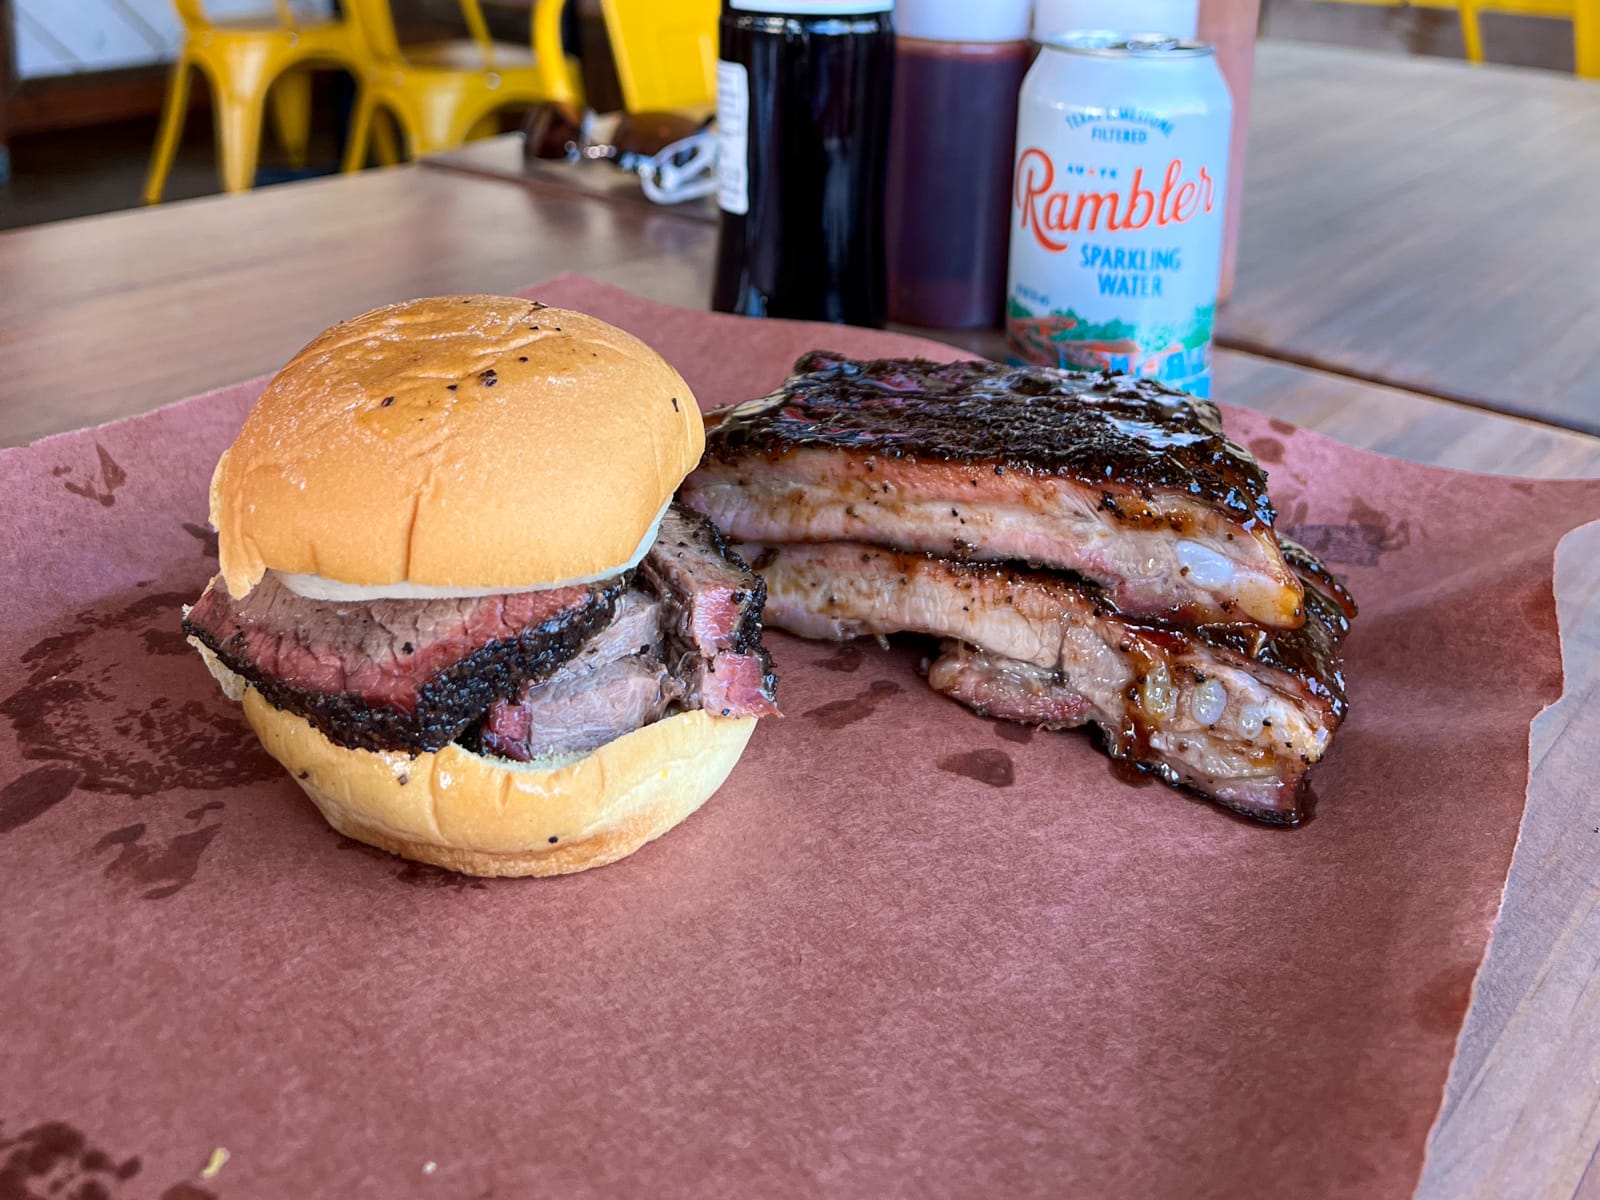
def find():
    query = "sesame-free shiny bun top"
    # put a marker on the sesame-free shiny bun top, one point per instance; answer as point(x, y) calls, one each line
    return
point(457, 443)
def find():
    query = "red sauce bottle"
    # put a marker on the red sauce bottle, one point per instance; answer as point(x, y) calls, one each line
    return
point(958, 69)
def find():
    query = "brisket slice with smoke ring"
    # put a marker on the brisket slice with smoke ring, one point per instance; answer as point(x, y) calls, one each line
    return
point(546, 673)
point(579, 709)
point(712, 603)
point(1235, 712)
point(395, 674)
point(616, 683)
point(1121, 480)
point(620, 681)
point(713, 599)
point(732, 685)
point(691, 641)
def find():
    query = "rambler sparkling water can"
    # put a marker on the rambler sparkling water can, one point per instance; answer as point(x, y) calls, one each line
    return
point(1117, 207)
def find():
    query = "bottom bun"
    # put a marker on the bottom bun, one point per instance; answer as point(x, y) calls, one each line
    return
point(490, 816)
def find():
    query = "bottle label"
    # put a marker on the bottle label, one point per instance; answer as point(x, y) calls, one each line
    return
point(733, 131)
point(813, 8)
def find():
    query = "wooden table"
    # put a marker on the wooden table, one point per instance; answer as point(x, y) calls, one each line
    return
point(502, 158)
point(1412, 222)
point(1426, 224)
point(110, 316)
point(222, 289)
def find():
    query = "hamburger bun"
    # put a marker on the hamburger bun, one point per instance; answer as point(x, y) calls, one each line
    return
point(455, 444)
point(488, 816)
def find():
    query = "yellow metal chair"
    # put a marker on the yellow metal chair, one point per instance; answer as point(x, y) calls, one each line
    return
point(1584, 15)
point(248, 63)
point(665, 51)
point(443, 93)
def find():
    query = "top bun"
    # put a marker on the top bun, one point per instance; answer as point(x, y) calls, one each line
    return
point(456, 443)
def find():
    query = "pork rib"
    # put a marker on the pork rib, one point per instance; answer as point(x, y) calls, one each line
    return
point(1235, 712)
point(1123, 481)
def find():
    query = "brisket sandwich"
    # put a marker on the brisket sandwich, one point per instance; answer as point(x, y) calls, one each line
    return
point(1088, 549)
point(457, 601)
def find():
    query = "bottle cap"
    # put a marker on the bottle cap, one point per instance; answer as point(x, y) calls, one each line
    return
point(1180, 18)
point(963, 20)
point(812, 8)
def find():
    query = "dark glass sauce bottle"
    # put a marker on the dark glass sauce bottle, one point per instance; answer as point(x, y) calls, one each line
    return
point(803, 100)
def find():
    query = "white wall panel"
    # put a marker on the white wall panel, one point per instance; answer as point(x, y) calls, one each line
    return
point(58, 37)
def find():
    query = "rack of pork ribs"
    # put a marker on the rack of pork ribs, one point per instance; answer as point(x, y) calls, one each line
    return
point(1088, 549)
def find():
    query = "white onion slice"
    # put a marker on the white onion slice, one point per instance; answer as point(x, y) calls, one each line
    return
point(319, 587)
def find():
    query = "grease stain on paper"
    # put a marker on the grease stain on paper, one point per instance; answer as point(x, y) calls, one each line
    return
point(98, 715)
point(989, 766)
point(413, 874)
point(1267, 449)
point(836, 714)
point(161, 867)
point(1361, 541)
point(1014, 731)
point(205, 535)
point(57, 1161)
point(33, 794)
point(845, 658)
point(81, 706)
point(102, 490)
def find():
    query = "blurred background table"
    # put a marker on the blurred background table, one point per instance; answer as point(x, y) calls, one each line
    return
point(1426, 224)
point(502, 158)
point(1414, 222)
point(110, 315)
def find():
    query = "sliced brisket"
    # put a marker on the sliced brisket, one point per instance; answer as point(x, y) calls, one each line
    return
point(689, 637)
point(615, 684)
point(713, 599)
point(395, 674)
point(579, 709)
point(713, 603)
point(525, 676)
point(731, 685)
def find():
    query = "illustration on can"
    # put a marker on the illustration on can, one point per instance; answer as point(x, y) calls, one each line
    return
point(1117, 208)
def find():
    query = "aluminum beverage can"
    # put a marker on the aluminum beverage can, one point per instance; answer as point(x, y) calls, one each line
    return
point(1117, 207)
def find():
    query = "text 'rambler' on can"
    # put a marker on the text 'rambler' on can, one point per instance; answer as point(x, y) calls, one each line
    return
point(1117, 207)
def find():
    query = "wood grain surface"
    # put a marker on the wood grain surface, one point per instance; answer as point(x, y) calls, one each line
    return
point(105, 317)
point(1414, 222)
point(501, 158)
point(110, 315)
point(1425, 224)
